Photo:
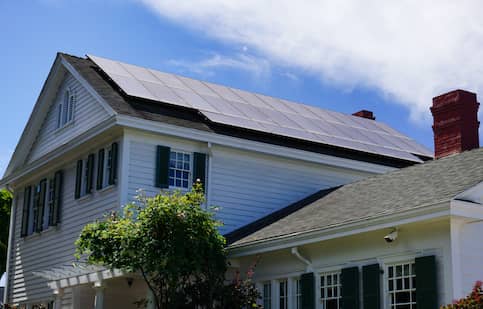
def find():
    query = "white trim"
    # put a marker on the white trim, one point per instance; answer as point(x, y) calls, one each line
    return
point(466, 209)
point(87, 86)
point(244, 144)
point(11, 229)
point(123, 169)
point(361, 225)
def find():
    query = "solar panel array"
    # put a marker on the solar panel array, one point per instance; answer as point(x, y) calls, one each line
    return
point(262, 113)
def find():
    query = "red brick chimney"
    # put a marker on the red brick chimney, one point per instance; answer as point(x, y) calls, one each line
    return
point(456, 122)
point(365, 114)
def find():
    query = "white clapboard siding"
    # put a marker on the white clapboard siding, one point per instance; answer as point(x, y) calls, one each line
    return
point(55, 247)
point(88, 113)
point(244, 185)
point(471, 256)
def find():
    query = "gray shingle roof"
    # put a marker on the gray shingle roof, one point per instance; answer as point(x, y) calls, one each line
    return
point(409, 188)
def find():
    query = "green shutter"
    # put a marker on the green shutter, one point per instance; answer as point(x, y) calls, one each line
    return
point(114, 160)
point(100, 169)
point(162, 167)
point(426, 284)
point(25, 211)
point(371, 286)
point(307, 286)
point(350, 288)
point(199, 168)
point(54, 214)
point(90, 173)
point(40, 205)
point(78, 179)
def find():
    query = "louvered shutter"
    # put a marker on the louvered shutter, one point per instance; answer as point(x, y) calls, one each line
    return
point(78, 179)
point(426, 284)
point(114, 160)
point(54, 214)
point(27, 195)
point(90, 173)
point(100, 169)
point(307, 286)
point(350, 288)
point(371, 286)
point(40, 205)
point(162, 167)
point(199, 168)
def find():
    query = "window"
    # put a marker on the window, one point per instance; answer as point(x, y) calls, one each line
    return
point(402, 285)
point(298, 294)
point(267, 295)
point(283, 297)
point(330, 290)
point(41, 205)
point(180, 169)
point(65, 111)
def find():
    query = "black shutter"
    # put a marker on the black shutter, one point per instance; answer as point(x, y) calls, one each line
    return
point(40, 205)
point(307, 286)
point(90, 173)
point(426, 284)
point(100, 169)
point(78, 179)
point(54, 214)
point(25, 211)
point(371, 286)
point(350, 288)
point(199, 168)
point(162, 167)
point(113, 170)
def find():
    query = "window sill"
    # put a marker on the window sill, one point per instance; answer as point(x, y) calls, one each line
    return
point(47, 231)
point(84, 198)
point(64, 127)
point(106, 189)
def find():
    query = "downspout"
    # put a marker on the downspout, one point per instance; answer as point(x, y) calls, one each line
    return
point(11, 230)
point(296, 253)
point(208, 179)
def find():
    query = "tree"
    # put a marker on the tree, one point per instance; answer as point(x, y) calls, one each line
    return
point(170, 240)
point(472, 301)
point(5, 204)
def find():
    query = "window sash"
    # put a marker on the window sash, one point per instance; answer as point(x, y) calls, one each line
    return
point(180, 169)
point(330, 290)
point(401, 285)
point(267, 295)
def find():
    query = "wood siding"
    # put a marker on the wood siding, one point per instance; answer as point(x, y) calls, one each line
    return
point(244, 185)
point(55, 246)
point(87, 113)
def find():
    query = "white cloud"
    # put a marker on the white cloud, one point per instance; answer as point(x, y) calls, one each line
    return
point(410, 50)
point(258, 67)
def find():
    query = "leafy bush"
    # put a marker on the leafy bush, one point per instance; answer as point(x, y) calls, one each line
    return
point(472, 301)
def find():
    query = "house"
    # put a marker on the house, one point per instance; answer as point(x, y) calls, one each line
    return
point(101, 130)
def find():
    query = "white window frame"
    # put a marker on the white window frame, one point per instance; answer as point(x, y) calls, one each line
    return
point(66, 108)
point(283, 298)
point(324, 297)
point(190, 170)
point(411, 289)
point(297, 294)
point(267, 286)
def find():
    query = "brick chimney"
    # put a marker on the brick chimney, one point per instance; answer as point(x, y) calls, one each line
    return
point(365, 114)
point(456, 122)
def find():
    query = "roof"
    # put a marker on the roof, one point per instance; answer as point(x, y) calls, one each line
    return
point(402, 190)
point(237, 108)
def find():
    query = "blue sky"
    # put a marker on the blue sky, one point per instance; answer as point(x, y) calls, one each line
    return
point(233, 44)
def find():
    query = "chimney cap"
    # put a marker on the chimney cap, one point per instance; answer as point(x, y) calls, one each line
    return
point(365, 114)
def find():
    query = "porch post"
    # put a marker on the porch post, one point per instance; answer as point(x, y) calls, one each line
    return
point(99, 299)
point(58, 298)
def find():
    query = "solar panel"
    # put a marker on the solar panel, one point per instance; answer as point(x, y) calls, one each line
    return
point(259, 112)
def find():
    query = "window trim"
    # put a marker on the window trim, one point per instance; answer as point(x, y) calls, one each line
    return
point(325, 298)
point(66, 116)
point(270, 296)
point(387, 293)
point(190, 172)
